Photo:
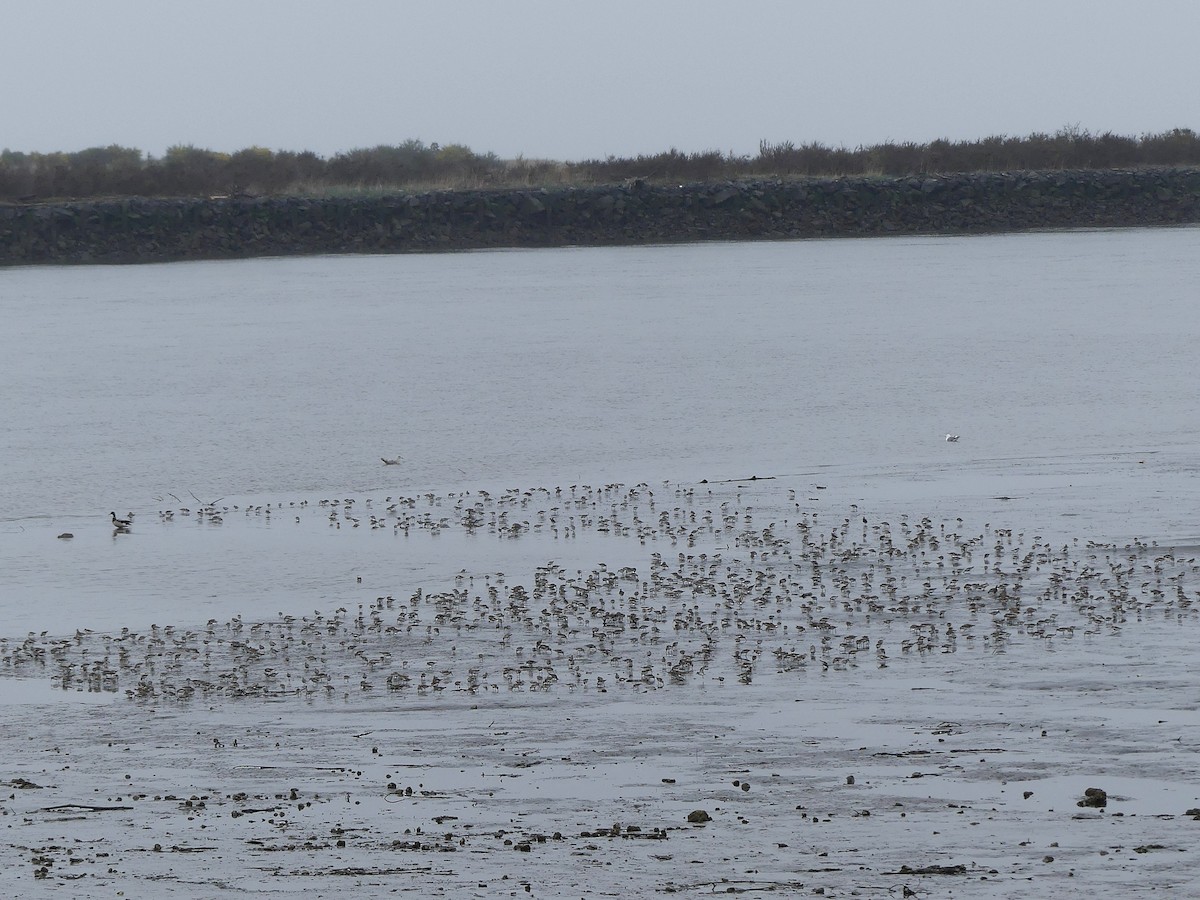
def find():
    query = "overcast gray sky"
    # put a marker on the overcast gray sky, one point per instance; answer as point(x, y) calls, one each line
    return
point(574, 80)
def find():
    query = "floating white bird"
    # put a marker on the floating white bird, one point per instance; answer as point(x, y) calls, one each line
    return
point(120, 524)
point(392, 462)
point(952, 438)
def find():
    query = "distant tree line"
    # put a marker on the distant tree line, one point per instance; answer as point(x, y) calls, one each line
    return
point(188, 171)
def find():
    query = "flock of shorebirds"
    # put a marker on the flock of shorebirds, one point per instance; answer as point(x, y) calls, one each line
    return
point(707, 588)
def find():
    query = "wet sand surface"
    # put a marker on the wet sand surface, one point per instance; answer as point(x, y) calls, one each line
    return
point(782, 686)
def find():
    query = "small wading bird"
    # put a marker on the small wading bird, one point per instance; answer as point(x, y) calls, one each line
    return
point(952, 438)
point(392, 462)
point(121, 524)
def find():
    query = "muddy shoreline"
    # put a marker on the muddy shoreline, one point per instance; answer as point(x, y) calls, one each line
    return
point(132, 230)
point(768, 701)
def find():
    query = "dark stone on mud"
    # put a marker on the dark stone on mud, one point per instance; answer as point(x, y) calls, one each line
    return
point(959, 869)
point(699, 815)
point(1094, 797)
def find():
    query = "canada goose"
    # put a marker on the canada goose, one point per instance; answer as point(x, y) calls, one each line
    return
point(120, 524)
point(392, 462)
point(952, 438)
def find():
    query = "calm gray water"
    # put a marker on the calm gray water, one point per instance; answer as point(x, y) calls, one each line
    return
point(1066, 361)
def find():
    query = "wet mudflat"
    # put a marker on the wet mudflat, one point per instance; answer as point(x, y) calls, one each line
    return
point(623, 690)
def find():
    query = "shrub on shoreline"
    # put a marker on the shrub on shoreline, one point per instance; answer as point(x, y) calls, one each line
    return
point(188, 171)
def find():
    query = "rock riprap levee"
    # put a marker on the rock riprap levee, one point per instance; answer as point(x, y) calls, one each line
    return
point(639, 212)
